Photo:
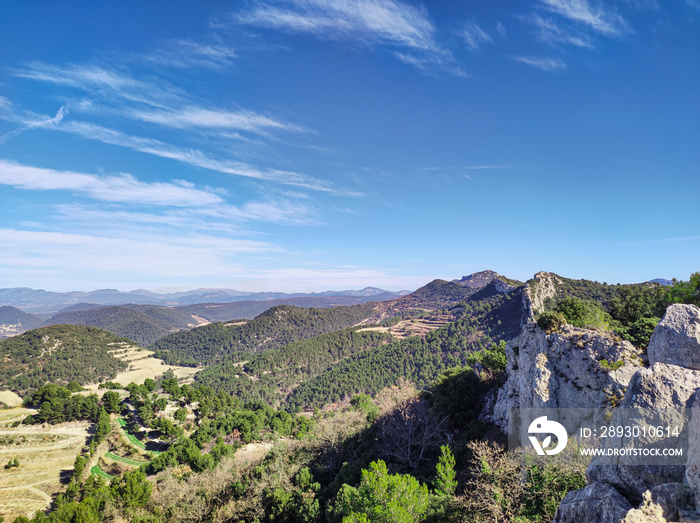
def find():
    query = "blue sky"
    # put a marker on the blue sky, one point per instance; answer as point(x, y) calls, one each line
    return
point(308, 145)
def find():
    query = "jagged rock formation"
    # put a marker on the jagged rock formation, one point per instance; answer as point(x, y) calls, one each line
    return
point(565, 370)
point(599, 503)
point(666, 492)
point(676, 340)
point(648, 512)
point(478, 279)
point(541, 287)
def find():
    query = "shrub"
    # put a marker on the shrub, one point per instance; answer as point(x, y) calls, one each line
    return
point(584, 313)
point(551, 321)
point(611, 365)
point(382, 498)
point(639, 333)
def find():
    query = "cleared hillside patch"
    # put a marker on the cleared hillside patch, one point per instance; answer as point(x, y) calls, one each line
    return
point(142, 365)
point(10, 399)
point(45, 455)
point(414, 326)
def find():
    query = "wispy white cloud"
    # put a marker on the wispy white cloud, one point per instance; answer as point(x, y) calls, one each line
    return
point(189, 53)
point(153, 101)
point(545, 64)
point(115, 93)
point(551, 33)
point(502, 32)
point(193, 116)
point(122, 188)
point(35, 124)
point(599, 18)
point(145, 255)
point(101, 82)
point(475, 36)
point(404, 27)
point(198, 158)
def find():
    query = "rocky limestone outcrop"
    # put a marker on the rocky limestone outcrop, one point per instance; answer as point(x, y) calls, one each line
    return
point(666, 492)
point(692, 470)
point(676, 340)
point(564, 370)
point(598, 502)
point(542, 286)
point(648, 512)
point(501, 286)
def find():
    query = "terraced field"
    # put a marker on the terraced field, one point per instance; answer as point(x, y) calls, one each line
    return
point(97, 471)
point(126, 461)
point(45, 456)
point(143, 365)
point(131, 438)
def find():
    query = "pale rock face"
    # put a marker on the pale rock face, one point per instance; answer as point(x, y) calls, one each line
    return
point(544, 286)
point(648, 512)
point(598, 502)
point(501, 286)
point(676, 339)
point(692, 469)
point(660, 388)
point(563, 370)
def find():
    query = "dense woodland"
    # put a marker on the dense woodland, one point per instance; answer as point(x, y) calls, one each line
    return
point(143, 324)
point(272, 329)
point(59, 354)
point(13, 316)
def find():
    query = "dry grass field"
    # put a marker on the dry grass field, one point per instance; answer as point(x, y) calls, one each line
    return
point(45, 455)
point(414, 327)
point(143, 365)
point(10, 399)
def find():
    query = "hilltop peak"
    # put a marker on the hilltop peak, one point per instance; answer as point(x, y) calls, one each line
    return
point(478, 279)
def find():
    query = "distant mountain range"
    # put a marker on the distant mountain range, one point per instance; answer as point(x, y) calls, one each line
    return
point(144, 316)
point(145, 323)
point(41, 301)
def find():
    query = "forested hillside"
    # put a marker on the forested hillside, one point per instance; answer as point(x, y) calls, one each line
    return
point(328, 368)
point(246, 310)
point(487, 319)
point(58, 354)
point(270, 330)
point(273, 375)
point(143, 324)
point(12, 316)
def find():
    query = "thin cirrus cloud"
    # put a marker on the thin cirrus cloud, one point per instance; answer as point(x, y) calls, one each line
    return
point(199, 206)
point(550, 32)
point(108, 84)
point(155, 101)
point(386, 22)
point(198, 158)
point(545, 64)
point(475, 37)
point(188, 53)
point(32, 124)
point(193, 116)
point(112, 92)
point(123, 188)
point(597, 17)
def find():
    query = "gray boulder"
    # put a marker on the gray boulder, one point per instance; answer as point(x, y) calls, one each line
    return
point(692, 471)
point(596, 503)
point(676, 339)
point(664, 389)
point(660, 387)
point(564, 370)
